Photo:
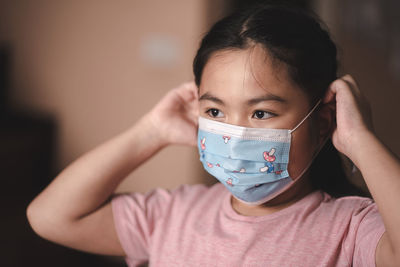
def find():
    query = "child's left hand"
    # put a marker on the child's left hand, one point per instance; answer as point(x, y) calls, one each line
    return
point(354, 137)
point(353, 114)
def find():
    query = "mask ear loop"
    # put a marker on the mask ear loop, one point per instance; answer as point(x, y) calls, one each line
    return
point(294, 181)
point(319, 146)
point(308, 115)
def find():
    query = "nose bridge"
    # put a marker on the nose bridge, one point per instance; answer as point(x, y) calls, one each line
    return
point(238, 117)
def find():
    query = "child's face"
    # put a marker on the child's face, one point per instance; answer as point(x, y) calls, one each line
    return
point(245, 88)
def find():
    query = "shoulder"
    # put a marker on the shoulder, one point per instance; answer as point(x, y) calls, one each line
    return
point(352, 216)
point(364, 227)
point(358, 215)
point(363, 210)
point(352, 204)
point(340, 213)
point(351, 223)
point(321, 202)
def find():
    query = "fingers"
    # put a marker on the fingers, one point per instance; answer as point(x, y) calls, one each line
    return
point(345, 82)
point(349, 80)
point(330, 94)
point(187, 91)
point(193, 116)
point(340, 89)
point(351, 84)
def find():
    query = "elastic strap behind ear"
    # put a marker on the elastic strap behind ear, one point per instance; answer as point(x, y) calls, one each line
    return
point(306, 117)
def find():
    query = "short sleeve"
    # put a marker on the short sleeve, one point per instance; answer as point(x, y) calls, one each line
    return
point(135, 216)
point(369, 229)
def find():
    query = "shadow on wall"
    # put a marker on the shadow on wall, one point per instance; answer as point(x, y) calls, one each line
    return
point(80, 74)
point(27, 141)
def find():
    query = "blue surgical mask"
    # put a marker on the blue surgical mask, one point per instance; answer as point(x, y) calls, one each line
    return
point(251, 162)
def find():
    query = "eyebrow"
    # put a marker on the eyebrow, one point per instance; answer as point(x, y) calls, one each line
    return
point(250, 102)
point(267, 97)
point(208, 96)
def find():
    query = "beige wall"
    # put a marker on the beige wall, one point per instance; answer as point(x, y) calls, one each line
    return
point(94, 65)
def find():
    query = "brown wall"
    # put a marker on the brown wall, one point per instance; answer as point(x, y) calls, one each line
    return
point(367, 61)
point(94, 65)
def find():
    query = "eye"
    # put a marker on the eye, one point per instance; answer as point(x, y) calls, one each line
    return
point(215, 113)
point(262, 115)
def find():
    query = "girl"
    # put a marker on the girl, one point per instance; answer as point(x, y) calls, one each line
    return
point(268, 113)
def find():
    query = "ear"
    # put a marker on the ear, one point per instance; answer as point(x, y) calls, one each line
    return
point(326, 120)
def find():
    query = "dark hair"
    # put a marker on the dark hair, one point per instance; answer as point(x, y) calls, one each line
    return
point(295, 37)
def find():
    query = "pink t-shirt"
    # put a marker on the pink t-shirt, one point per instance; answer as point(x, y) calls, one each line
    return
point(195, 225)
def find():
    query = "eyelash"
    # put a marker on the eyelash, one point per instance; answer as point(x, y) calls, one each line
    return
point(265, 112)
point(209, 112)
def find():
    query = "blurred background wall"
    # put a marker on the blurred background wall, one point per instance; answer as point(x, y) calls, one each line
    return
point(367, 33)
point(82, 72)
point(86, 70)
point(98, 66)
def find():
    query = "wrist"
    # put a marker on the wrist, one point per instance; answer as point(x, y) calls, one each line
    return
point(362, 144)
point(149, 129)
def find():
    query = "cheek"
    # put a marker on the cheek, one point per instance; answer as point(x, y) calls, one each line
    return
point(301, 151)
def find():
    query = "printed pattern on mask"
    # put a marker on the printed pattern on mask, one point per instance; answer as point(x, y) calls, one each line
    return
point(251, 162)
point(248, 168)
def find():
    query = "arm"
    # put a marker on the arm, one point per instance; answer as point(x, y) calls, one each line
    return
point(379, 167)
point(382, 176)
point(75, 209)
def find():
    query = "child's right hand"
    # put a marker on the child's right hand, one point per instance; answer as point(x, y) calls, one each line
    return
point(75, 209)
point(175, 116)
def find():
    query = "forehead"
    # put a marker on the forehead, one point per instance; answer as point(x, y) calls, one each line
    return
point(247, 72)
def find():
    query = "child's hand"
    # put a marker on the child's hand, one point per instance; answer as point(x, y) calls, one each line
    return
point(175, 116)
point(353, 114)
